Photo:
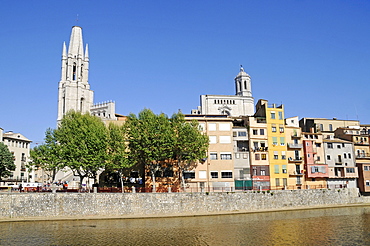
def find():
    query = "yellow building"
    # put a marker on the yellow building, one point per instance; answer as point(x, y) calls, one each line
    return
point(277, 148)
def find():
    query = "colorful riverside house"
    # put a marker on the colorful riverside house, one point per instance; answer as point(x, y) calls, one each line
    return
point(316, 170)
point(360, 138)
point(277, 148)
point(340, 158)
point(216, 172)
point(242, 171)
point(258, 142)
point(294, 154)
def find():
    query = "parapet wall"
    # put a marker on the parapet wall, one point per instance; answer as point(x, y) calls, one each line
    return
point(116, 205)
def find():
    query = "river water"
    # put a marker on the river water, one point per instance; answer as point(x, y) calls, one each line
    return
point(335, 226)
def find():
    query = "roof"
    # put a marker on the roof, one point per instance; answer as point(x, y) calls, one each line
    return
point(16, 136)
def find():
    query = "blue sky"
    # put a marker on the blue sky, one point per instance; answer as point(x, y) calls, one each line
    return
point(312, 56)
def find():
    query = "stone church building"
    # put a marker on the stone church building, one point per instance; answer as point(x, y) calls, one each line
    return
point(74, 91)
point(240, 104)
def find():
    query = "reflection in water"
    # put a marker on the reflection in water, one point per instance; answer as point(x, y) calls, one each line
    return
point(339, 226)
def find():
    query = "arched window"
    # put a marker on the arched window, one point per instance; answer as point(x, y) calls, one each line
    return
point(81, 104)
point(330, 127)
point(245, 84)
point(74, 71)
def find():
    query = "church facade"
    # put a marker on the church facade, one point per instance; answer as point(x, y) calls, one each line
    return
point(74, 91)
point(240, 104)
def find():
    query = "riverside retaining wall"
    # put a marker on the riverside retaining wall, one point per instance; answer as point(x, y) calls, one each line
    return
point(103, 205)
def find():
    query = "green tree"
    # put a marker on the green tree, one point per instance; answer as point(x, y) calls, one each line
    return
point(83, 143)
point(47, 156)
point(6, 161)
point(151, 140)
point(190, 144)
point(118, 153)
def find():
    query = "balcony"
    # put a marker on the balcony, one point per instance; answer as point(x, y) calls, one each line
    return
point(296, 173)
point(363, 156)
point(260, 149)
point(294, 146)
point(242, 149)
point(295, 159)
point(295, 135)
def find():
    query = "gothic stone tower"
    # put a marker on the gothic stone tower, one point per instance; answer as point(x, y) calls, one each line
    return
point(74, 90)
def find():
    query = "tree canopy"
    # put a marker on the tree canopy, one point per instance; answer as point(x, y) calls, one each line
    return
point(6, 161)
point(86, 145)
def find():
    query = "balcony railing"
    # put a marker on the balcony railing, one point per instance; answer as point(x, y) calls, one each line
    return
point(295, 159)
point(296, 173)
point(294, 146)
point(363, 156)
point(260, 149)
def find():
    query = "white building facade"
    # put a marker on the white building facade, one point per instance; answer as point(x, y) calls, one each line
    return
point(240, 104)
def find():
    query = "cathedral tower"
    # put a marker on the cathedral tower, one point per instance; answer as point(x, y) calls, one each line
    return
point(243, 84)
point(74, 90)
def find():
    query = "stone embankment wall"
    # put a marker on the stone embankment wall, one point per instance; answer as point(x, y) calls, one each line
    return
point(115, 205)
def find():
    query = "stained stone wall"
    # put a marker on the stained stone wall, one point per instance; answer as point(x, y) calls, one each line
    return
point(95, 205)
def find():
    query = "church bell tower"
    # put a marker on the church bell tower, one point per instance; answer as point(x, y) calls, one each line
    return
point(74, 90)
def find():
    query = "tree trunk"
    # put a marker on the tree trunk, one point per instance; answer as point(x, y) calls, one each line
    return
point(120, 177)
point(154, 190)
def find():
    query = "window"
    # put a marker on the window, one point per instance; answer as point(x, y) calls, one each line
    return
point(344, 155)
point(225, 156)
point(367, 183)
point(276, 155)
point(212, 126)
point(263, 156)
point(338, 146)
point(328, 157)
point(330, 127)
point(274, 140)
point(283, 155)
point(349, 155)
point(201, 126)
point(280, 115)
point(350, 170)
point(189, 175)
point(242, 134)
point(255, 132)
point(284, 168)
point(226, 174)
point(225, 139)
point(262, 131)
point(273, 129)
point(366, 168)
point(224, 127)
point(330, 145)
point(282, 141)
point(281, 129)
point(276, 169)
point(212, 139)
point(285, 181)
point(277, 182)
point(214, 174)
point(213, 156)
point(318, 145)
point(202, 174)
point(257, 157)
point(273, 115)
point(237, 155)
point(263, 173)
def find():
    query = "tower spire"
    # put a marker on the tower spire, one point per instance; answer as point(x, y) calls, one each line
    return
point(74, 89)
